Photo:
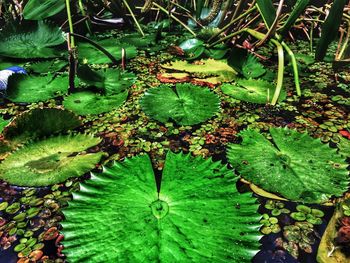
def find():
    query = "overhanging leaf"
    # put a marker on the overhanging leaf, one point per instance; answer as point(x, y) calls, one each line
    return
point(254, 91)
point(40, 9)
point(198, 216)
point(296, 166)
point(24, 88)
point(186, 105)
point(87, 102)
point(50, 161)
point(36, 41)
point(94, 56)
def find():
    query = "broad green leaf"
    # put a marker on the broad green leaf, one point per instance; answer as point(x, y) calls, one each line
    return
point(193, 48)
point(138, 40)
point(40, 9)
point(329, 30)
point(39, 123)
point(217, 52)
point(48, 66)
point(198, 215)
point(36, 41)
point(344, 146)
point(186, 105)
point(295, 165)
point(267, 11)
point(88, 102)
point(50, 161)
point(254, 91)
point(24, 88)
point(110, 81)
point(252, 68)
point(92, 55)
point(298, 8)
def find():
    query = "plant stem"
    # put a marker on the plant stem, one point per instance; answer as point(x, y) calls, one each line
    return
point(133, 17)
point(227, 37)
point(175, 18)
point(81, 7)
point(69, 15)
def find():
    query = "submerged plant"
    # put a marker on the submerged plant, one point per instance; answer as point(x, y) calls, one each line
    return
point(294, 160)
point(186, 105)
point(31, 42)
point(197, 215)
point(50, 161)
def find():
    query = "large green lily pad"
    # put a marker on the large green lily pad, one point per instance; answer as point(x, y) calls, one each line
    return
point(198, 215)
point(50, 161)
point(88, 102)
point(255, 91)
point(294, 165)
point(36, 41)
point(92, 55)
point(23, 88)
point(186, 105)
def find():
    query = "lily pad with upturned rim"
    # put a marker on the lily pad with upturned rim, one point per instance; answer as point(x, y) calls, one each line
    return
point(50, 161)
point(186, 105)
point(295, 165)
point(198, 215)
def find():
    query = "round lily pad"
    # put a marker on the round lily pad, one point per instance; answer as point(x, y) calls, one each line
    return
point(88, 102)
point(198, 215)
point(187, 104)
point(50, 161)
point(295, 165)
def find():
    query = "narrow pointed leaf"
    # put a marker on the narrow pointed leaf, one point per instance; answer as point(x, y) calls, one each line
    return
point(298, 8)
point(267, 11)
point(40, 9)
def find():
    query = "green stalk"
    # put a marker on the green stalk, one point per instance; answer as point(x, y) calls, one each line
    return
point(280, 72)
point(227, 37)
point(175, 18)
point(133, 17)
point(81, 7)
point(69, 15)
point(295, 67)
point(346, 42)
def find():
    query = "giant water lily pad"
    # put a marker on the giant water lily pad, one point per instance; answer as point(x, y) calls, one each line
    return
point(23, 88)
point(198, 215)
point(88, 102)
point(36, 41)
point(255, 91)
point(93, 55)
point(50, 161)
point(38, 123)
point(186, 105)
point(205, 67)
point(295, 165)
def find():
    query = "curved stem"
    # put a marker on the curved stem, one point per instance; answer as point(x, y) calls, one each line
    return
point(295, 67)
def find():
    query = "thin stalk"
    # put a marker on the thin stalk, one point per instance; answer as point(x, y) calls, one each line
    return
point(227, 37)
point(232, 22)
point(82, 10)
point(69, 15)
point(294, 66)
point(133, 17)
point(346, 42)
point(73, 63)
point(280, 53)
point(175, 18)
point(99, 47)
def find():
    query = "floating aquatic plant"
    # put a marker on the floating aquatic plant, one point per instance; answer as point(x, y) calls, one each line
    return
point(88, 102)
point(38, 123)
point(92, 55)
point(50, 161)
point(186, 105)
point(23, 88)
point(252, 90)
point(295, 165)
point(36, 41)
point(198, 215)
point(205, 67)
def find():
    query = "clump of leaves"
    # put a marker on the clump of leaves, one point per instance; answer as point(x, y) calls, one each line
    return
point(197, 215)
point(270, 225)
point(50, 161)
point(38, 41)
point(288, 166)
point(92, 55)
point(88, 102)
point(203, 68)
point(29, 89)
point(305, 213)
point(252, 90)
point(277, 208)
point(186, 105)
